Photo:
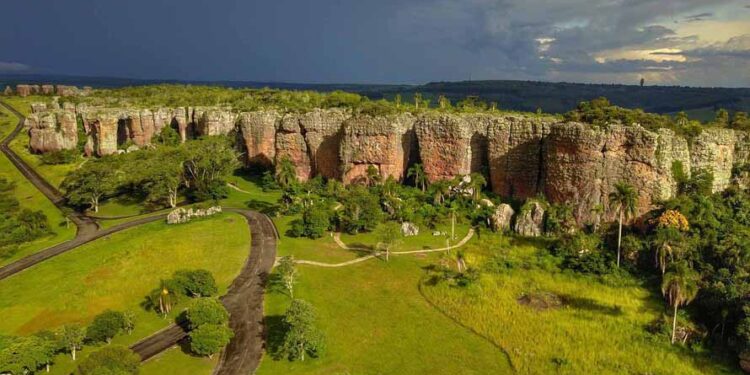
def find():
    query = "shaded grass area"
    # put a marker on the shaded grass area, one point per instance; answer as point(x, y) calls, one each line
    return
point(175, 362)
point(116, 272)
point(29, 197)
point(582, 326)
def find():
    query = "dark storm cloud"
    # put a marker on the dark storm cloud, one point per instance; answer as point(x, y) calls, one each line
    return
point(357, 41)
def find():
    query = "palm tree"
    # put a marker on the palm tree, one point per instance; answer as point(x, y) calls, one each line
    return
point(420, 179)
point(441, 189)
point(478, 182)
point(623, 200)
point(372, 175)
point(286, 174)
point(679, 286)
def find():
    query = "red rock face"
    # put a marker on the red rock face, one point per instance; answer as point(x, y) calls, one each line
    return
point(258, 131)
point(214, 121)
point(52, 131)
point(181, 118)
point(515, 156)
point(104, 129)
point(48, 89)
point(383, 142)
point(290, 143)
point(63, 90)
point(23, 90)
point(444, 146)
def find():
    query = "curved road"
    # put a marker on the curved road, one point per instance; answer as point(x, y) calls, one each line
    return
point(244, 299)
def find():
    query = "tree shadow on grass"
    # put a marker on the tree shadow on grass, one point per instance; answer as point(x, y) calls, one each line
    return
point(274, 330)
point(261, 206)
point(588, 304)
point(275, 284)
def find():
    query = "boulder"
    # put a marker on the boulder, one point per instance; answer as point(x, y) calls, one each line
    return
point(530, 221)
point(502, 217)
point(182, 215)
point(409, 229)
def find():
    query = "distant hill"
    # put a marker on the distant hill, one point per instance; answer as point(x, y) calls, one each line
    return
point(551, 97)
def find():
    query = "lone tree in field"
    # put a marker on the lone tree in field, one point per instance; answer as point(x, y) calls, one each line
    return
point(679, 286)
point(420, 179)
point(209, 339)
point(388, 236)
point(623, 199)
point(106, 326)
point(302, 335)
point(196, 283)
point(287, 273)
point(71, 337)
point(286, 174)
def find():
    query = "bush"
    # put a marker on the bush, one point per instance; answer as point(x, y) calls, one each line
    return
point(315, 221)
point(110, 360)
point(206, 311)
point(59, 157)
point(209, 339)
point(196, 283)
point(583, 253)
point(106, 326)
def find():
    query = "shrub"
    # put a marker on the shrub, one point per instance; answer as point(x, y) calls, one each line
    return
point(110, 360)
point(106, 326)
point(209, 339)
point(196, 283)
point(206, 311)
point(59, 157)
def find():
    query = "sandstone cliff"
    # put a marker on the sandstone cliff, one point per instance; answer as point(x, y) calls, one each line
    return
point(522, 156)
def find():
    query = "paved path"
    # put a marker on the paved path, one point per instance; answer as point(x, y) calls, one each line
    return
point(337, 239)
point(244, 299)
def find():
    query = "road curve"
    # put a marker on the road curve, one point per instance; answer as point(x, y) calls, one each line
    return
point(244, 298)
point(86, 225)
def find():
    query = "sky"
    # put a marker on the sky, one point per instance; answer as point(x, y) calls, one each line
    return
point(667, 42)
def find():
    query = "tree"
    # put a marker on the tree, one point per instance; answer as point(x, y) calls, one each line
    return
point(721, 118)
point(315, 221)
point(420, 179)
point(168, 137)
point(417, 99)
point(209, 163)
point(23, 355)
point(209, 339)
point(624, 200)
point(163, 176)
point(206, 311)
point(478, 182)
point(679, 286)
point(71, 337)
point(286, 173)
point(389, 235)
point(740, 121)
point(88, 184)
point(440, 190)
point(106, 325)
point(372, 175)
point(164, 297)
point(302, 334)
point(196, 283)
point(110, 360)
point(361, 211)
point(287, 273)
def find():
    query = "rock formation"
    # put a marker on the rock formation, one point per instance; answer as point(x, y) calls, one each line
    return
point(523, 156)
point(23, 90)
point(183, 215)
point(502, 217)
point(530, 221)
point(8, 91)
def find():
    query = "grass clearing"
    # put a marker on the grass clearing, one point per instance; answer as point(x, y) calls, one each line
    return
point(598, 329)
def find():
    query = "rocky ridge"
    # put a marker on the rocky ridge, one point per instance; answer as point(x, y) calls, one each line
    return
point(523, 156)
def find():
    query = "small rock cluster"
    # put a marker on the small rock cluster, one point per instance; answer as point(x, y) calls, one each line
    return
point(182, 215)
point(409, 229)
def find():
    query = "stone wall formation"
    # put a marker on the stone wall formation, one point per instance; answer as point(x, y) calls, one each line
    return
point(524, 156)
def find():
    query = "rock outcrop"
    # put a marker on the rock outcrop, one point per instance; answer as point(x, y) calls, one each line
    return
point(52, 131)
point(409, 229)
point(522, 156)
point(183, 215)
point(501, 218)
point(530, 221)
point(385, 142)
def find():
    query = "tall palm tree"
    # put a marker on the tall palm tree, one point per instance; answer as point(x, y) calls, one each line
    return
point(679, 286)
point(478, 182)
point(623, 199)
point(441, 189)
point(420, 179)
point(286, 175)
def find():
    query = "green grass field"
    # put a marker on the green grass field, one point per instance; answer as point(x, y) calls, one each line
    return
point(598, 329)
point(116, 272)
point(29, 197)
